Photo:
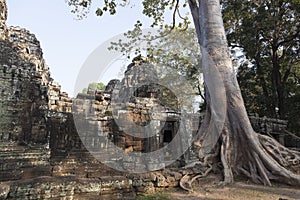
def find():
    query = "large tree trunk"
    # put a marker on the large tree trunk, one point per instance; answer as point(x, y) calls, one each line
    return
point(243, 151)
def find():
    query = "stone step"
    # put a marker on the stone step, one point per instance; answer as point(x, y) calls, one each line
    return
point(71, 188)
point(25, 173)
point(17, 162)
point(13, 161)
point(23, 155)
point(7, 146)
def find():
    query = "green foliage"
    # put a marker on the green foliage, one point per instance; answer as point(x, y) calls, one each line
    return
point(250, 89)
point(84, 90)
point(178, 51)
point(135, 37)
point(80, 7)
point(174, 48)
point(174, 53)
point(293, 102)
point(268, 32)
point(178, 54)
point(109, 6)
point(154, 9)
point(93, 87)
point(156, 196)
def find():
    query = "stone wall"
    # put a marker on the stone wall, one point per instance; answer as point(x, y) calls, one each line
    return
point(105, 187)
point(25, 88)
point(58, 101)
point(272, 127)
point(126, 117)
point(24, 99)
point(20, 162)
point(23, 106)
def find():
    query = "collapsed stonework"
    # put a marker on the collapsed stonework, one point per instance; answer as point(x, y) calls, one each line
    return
point(43, 132)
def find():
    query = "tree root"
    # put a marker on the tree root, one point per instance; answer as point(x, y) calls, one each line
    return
point(269, 160)
point(264, 160)
point(187, 180)
point(287, 158)
point(205, 166)
point(225, 157)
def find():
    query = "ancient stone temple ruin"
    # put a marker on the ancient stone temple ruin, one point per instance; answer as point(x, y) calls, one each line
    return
point(24, 79)
point(133, 118)
point(41, 153)
point(51, 145)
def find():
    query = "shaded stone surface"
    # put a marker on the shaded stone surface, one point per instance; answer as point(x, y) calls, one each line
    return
point(24, 104)
point(24, 77)
point(23, 88)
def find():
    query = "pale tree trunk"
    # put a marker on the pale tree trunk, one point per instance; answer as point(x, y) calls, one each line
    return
point(243, 151)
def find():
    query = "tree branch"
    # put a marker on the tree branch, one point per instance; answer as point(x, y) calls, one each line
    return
point(195, 14)
point(289, 39)
point(200, 93)
point(174, 14)
point(286, 74)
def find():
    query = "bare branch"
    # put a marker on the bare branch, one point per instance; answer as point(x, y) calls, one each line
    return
point(174, 14)
point(200, 93)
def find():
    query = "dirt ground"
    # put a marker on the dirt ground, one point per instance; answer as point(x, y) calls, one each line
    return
point(237, 191)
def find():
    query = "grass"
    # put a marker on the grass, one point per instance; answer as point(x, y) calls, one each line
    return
point(156, 196)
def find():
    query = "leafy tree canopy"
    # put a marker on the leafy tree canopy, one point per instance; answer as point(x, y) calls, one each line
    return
point(94, 86)
point(269, 34)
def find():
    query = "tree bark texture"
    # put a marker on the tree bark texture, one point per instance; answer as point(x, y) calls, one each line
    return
point(243, 151)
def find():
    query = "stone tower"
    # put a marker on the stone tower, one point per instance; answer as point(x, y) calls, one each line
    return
point(24, 79)
point(3, 18)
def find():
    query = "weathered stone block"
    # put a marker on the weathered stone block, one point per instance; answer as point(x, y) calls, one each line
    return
point(4, 190)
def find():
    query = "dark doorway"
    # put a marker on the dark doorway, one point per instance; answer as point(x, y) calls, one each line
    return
point(168, 136)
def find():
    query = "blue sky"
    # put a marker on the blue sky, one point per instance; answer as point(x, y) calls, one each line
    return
point(67, 42)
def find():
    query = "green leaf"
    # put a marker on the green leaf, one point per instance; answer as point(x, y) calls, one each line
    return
point(99, 12)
